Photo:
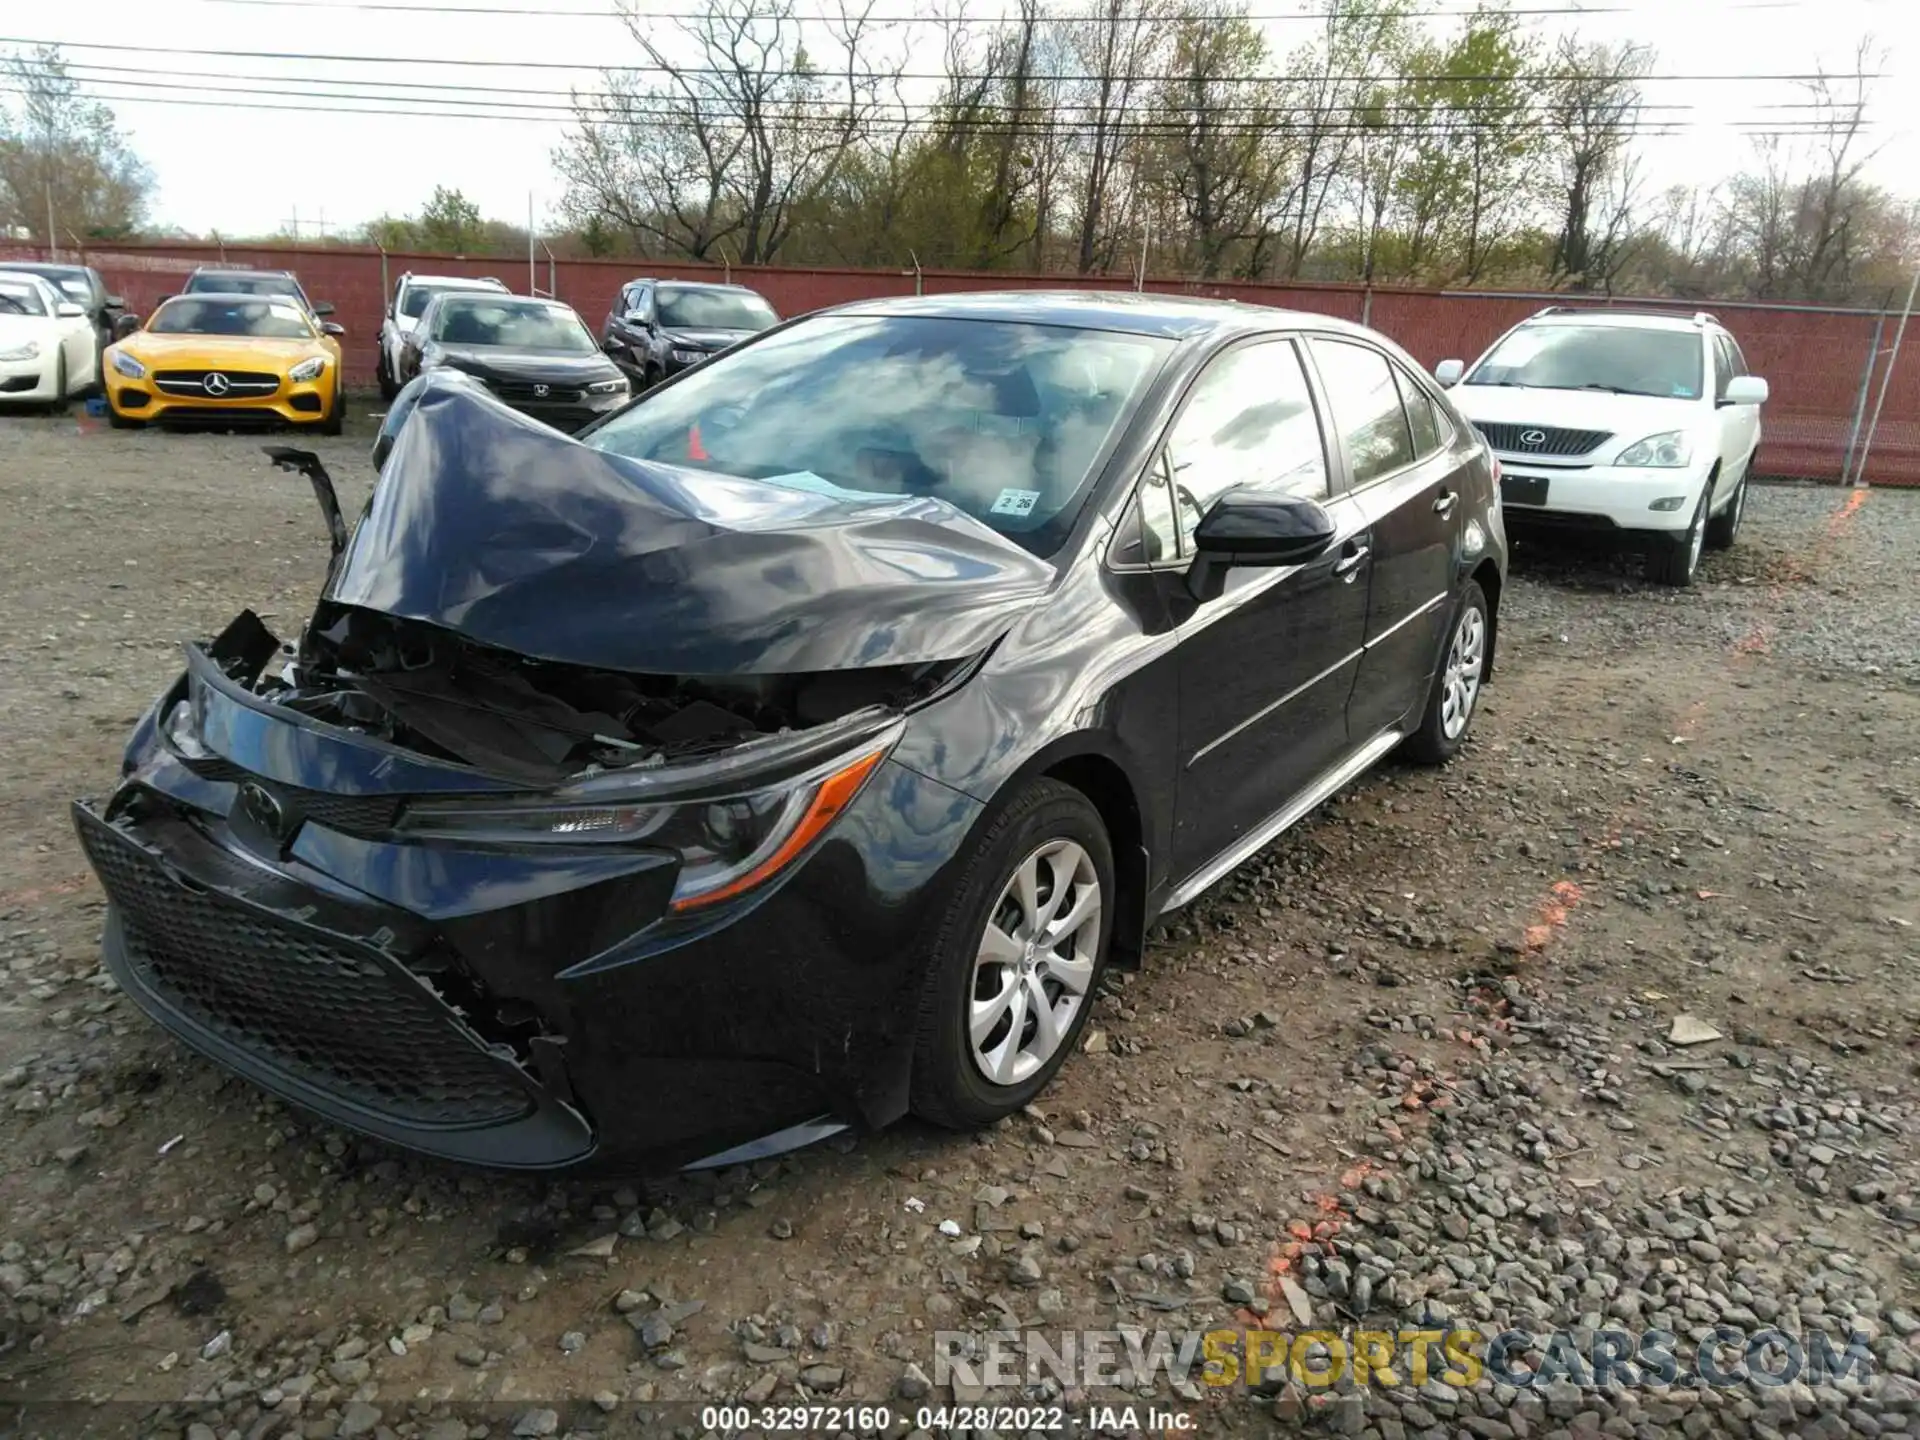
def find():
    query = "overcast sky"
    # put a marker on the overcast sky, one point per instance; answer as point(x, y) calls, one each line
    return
point(250, 171)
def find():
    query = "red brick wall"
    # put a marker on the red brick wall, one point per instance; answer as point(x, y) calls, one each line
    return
point(1813, 360)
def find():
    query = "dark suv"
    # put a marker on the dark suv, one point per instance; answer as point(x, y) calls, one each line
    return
point(658, 328)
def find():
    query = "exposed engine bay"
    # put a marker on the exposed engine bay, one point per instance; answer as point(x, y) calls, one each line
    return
point(423, 688)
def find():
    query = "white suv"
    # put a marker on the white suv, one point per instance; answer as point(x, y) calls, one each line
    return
point(404, 308)
point(1638, 425)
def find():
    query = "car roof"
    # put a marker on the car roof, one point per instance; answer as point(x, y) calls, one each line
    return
point(698, 285)
point(1624, 320)
point(247, 295)
point(44, 268)
point(241, 273)
point(1123, 311)
point(472, 282)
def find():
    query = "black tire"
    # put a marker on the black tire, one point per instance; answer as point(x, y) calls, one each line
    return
point(949, 1087)
point(1722, 529)
point(1457, 681)
point(389, 387)
point(336, 414)
point(1675, 562)
point(58, 405)
point(121, 422)
point(651, 377)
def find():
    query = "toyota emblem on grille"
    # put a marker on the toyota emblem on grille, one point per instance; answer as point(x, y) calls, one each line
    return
point(540, 392)
point(217, 384)
point(1532, 438)
point(264, 810)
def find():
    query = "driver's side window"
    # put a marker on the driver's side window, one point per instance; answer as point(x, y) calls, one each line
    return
point(1249, 422)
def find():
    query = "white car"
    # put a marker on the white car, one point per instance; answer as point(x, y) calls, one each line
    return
point(49, 351)
point(404, 308)
point(1635, 425)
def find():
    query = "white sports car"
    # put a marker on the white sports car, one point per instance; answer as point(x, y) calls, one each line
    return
point(49, 351)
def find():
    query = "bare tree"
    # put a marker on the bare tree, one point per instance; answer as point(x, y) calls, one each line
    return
point(63, 161)
point(1593, 104)
point(730, 143)
point(1116, 46)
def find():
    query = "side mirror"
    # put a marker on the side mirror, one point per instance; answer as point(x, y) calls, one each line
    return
point(329, 328)
point(115, 302)
point(124, 325)
point(1448, 372)
point(1255, 527)
point(68, 312)
point(1745, 390)
point(323, 309)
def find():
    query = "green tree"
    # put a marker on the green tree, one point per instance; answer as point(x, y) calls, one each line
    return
point(450, 222)
point(63, 160)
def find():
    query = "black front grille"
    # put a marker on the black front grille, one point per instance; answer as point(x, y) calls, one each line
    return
point(217, 384)
point(369, 815)
point(517, 392)
point(1541, 439)
point(323, 1009)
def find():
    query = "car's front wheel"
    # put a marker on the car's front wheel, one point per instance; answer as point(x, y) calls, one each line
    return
point(383, 372)
point(1677, 561)
point(1723, 528)
point(1017, 951)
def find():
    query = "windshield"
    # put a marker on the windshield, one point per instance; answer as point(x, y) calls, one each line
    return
point(1007, 422)
point(244, 285)
point(713, 310)
point(1666, 363)
point(260, 319)
point(413, 303)
point(18, 297)
point(515, 324)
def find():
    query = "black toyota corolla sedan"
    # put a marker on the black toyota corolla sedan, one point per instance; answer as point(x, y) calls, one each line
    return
point(794, 748)
point(536, 355)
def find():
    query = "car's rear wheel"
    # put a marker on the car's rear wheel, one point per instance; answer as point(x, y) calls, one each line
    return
point(1677, 561)
point(1724, 527)
point(1456, 684)
point(1017, 951)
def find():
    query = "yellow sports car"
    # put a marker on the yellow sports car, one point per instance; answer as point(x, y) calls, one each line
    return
point(226, 359)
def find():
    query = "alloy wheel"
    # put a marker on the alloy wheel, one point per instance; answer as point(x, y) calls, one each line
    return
point(1035, 962)
point(1466, 656)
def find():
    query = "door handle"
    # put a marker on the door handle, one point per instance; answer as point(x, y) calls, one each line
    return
point(1348, 565)
point(1444, 502)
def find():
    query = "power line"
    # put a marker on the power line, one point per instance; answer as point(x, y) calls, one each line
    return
point(98, 74)
point(423, 62)
point(917, 18)
point(885, 124)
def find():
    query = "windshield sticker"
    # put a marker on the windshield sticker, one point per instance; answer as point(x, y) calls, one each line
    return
point(1015, 502)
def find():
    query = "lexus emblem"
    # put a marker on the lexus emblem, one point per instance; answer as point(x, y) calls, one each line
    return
point(217, 384)
point(264, 810)
point(1532, 438)
point(540, 392)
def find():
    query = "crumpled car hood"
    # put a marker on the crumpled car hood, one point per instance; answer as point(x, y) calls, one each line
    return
point(494, 526)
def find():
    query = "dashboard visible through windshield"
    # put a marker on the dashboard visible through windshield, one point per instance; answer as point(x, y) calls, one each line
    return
point(1005, 421)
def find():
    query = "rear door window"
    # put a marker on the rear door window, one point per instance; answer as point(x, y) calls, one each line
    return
point(1366, 408)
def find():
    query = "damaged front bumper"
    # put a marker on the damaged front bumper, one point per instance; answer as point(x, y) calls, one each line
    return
point(512, 1005)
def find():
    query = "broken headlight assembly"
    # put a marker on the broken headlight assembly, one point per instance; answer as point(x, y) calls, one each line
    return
point(727, 844)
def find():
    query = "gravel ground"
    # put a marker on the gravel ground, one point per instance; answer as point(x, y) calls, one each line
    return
point(1410, 1069)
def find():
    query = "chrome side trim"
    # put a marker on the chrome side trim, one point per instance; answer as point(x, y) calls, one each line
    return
point(1235, 854)
point(1406, 620)
point(1266, 710)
